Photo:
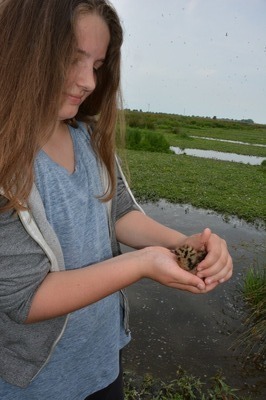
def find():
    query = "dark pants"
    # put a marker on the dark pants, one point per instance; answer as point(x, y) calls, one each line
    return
point(112, 392)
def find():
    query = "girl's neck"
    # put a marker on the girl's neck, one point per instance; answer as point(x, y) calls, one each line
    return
point(60, 147)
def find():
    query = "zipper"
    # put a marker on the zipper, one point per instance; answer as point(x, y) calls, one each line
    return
point(33, 230)
point(52, 348)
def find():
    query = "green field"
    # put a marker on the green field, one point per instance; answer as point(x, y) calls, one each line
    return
point(227, 187)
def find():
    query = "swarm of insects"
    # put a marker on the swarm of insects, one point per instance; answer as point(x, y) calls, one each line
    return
point(188, 258)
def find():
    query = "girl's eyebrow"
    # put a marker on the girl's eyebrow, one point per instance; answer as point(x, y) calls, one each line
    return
point(85, 53)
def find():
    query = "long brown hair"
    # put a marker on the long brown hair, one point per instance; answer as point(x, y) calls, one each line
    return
point(37, 42)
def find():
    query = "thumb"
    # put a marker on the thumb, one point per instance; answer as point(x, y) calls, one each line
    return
point(205, 236)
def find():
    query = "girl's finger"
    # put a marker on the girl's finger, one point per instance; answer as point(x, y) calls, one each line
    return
point(205, 236)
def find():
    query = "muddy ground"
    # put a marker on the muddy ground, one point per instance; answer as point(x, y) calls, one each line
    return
point(171, 328)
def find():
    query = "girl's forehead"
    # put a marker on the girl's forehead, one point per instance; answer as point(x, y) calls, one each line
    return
point(92, 34)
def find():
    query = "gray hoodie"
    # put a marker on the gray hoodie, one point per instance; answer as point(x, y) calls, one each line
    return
point(29, 250)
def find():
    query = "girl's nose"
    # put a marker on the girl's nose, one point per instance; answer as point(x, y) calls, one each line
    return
point(86, 78)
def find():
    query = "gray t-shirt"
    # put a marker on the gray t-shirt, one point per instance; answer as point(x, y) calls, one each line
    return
point(86, 359)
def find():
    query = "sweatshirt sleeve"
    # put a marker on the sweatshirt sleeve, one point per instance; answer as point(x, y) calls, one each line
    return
point(23, 266)
point(125, 202)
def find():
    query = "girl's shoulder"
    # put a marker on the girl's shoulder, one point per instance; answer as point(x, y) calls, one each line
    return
point(84, 129)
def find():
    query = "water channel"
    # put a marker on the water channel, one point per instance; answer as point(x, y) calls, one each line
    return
point(171, 328)
point(219, 155)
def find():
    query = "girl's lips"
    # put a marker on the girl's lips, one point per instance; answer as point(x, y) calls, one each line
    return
point(74, 99)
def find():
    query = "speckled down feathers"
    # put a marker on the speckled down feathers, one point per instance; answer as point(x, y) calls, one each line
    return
point(188, 258)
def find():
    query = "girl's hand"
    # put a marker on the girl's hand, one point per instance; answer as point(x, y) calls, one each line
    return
point(160, 265)
point(217, 267)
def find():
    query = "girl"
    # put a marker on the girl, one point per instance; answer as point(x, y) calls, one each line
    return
point(65, 207)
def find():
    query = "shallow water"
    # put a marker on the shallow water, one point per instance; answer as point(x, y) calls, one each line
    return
point(219, 155)
point(197, 332)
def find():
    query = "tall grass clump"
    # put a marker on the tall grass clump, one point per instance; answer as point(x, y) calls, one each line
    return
point(140, 120)
point(145, 140)
point(254, 294)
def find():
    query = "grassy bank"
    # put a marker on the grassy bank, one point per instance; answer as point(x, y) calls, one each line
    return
point(185, 141)
point(204, 127)
point(228, 188)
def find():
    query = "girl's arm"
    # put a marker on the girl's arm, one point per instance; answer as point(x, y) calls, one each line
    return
point(30, 293)
point(137, 230)
point(66, 291)
point(63, 292)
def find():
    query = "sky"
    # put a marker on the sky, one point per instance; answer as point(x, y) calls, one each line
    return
point(195, 57)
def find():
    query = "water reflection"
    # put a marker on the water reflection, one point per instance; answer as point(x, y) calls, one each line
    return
point(219, 155)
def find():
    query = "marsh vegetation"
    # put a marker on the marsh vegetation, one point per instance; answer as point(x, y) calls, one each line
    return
point(230, 188)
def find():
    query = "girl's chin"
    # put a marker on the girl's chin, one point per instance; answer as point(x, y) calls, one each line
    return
point(67, 114)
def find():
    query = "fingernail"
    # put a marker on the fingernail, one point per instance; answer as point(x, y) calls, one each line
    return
point(201, 286)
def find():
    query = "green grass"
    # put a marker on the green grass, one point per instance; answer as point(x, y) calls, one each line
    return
point(220, 129)
point(226, 187)
point(185, 141)
point(147, 140)
point(184, 387)
point(253, 291)
point(230, 188)
point(254, 286)
point(253, 134)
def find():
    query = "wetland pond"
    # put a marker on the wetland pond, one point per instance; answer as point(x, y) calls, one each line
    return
point(171, 328)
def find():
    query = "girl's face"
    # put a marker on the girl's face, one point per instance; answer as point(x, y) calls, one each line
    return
point(93, 36)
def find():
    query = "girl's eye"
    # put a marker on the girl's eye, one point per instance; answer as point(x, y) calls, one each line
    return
point(79, 60)
point(97, 66)
point(75, 60)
